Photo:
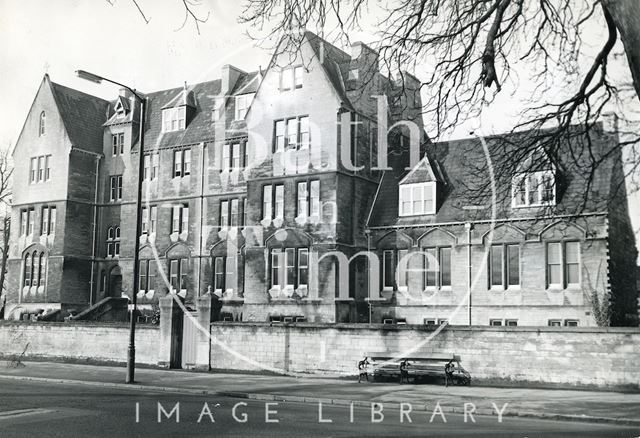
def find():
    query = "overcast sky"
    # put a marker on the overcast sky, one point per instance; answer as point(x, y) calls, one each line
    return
point(62, 36)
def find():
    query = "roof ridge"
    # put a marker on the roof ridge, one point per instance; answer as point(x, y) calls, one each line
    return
point(65, 89)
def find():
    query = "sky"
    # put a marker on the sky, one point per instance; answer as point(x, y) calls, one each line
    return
point(111, 38)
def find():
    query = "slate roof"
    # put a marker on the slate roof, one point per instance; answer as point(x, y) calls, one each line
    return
point(200, 128)
point(463, 167)
point(82, 115)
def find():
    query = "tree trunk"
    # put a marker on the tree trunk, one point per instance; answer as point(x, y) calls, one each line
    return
point(626, 15)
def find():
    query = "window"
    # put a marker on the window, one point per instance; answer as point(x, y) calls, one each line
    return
point(151, 166)
point(234, 216)
point(303, 200)
point(298, 76)
point(224, 214)
point(291, 77)
point(388, 270)
point(42, 125)
point(174, 119)
point(534, 189)
point(153, 219)
point(147, 276)
point(39, 170)
point(226, 157)
point(291, 133)
point(117, 144)
point(34, 268)
point(308, 204)
point(48, 221)
point(245, 212)
point(504, 266)
point(572, 263)
point(289, 267)
point(571, 323)
point(511, 322)
point(235, 156)
point(180, 218)
point(278, 145)
point(27, 218)
point(434, 277)
point(266, 202)
point(417, 199)
point(429, 321)
point(113, 241)
point(554, 323)
point(279, 201)
point(116, 188)
point(563, 264)
point(31, 221)
point(219, 273)
point(243, 102)
point(181, 162)
point(28, 270)
point(178, 274)
point(354, 74)
point(495, 322)
point(149, 219)
point(33, 172)
point(303, 267)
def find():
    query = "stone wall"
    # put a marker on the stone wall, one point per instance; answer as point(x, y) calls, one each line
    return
point(91, 342)
point(567, 356)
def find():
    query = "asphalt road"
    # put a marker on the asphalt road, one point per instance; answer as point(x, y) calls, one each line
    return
point(34, 409)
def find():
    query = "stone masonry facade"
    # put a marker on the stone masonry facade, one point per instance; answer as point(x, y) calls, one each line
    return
point(249, 195)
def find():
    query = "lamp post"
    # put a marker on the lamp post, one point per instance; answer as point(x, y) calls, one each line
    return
point(131, 352)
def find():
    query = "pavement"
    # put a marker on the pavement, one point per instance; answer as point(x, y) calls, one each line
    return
point(551, 404)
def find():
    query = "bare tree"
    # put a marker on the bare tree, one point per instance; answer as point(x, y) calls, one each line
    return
point(6, 170)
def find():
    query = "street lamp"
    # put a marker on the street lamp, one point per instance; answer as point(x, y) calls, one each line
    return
point(131, 352)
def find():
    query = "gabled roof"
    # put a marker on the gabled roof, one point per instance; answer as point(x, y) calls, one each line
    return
point(335, 63)
point(421, 173)
point(82, 115)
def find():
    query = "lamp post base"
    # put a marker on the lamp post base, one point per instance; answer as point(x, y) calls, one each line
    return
point(131, 364)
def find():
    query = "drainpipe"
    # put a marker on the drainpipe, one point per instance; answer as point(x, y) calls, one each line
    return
point(469, 227)
point(94, 232)
point(368, 270)
point(202, 178)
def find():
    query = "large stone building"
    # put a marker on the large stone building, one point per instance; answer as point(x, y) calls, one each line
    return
point(249, 194)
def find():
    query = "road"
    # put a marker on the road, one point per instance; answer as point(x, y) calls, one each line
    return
point(29, 409)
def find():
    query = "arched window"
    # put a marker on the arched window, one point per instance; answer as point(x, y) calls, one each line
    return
point(43, 119)
point(35, 264)
point(27, 270)
point(41, 269)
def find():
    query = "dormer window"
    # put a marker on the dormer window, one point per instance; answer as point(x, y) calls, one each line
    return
point(417, 199)
point(43, 119)
point(534, 189)
point(174, 119)
point(243, 102)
